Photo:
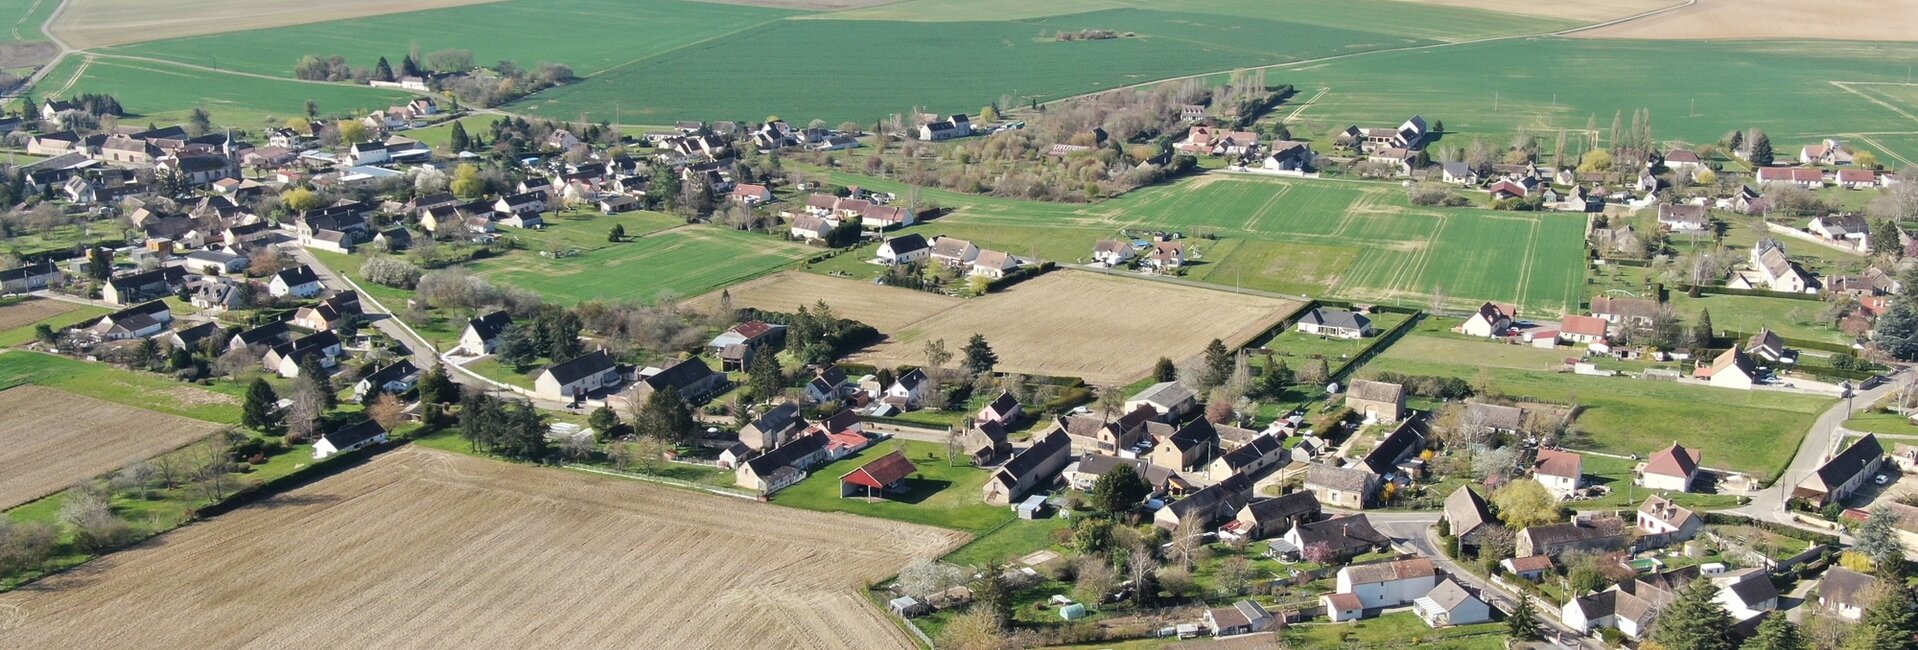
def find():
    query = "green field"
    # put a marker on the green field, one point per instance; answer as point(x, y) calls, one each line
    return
point(685, 261)
point(1748, 431)
point(218, 402)
point(20, 20)
point(1412, 20)
point(161, 92)
point(1798, 319)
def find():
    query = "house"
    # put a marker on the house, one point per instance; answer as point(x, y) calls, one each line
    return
point(1165, 257)
point(1673, 468)
point(1250, 459)
point(1826, 152)
point(1341, 487)
point(1682, 218)
point(1839, 477)
point(1112, 252)
point(395, 378)
point(774, 428)
point(1449, 604)
point(140, 321)
point(1336, 323)
point(752, 194)
point(1458, 173)
point(1732, 369)
point(482, 332)
point(1494, 417)
point(1392, 453)
point(1768, 346)
point(31, 277)
point(1802, 176)
point(1583, 329)
point(1843, 228)
point(828, 384)
point(1187, 447)
point(1682, 159)
point(1243, 617)
point(143, 286)
point(1776, 271)
point(1531, 568)
point(993, 265)
point(1211, 141)
point(954, 252)
point(1340, 608)
point(986, 442)
point(884, 475)
point(1376, 401)
point(1855, 179)
point(572, 379)
point(1334, 540)
point(752, 333)
point(1289, 157)
point(267, 335)
point(1555, 540)
point(213, 262)
point(783, 466)
point(694, 380)
point(1659, 516)
point(286, 358)
point(1491, 319)
point(1468, 516)
point(904, 249)
point(1746, 593)
point(523, 203)
point(363, 434)
point(1844, 592)
point(1634, 312)
point(1559, 471)
point(296, 282)
point(1389, 584)
point(1509, 189)
point(956, 126)
point(910, 387)
point(1086, 472)
point(329, 313)
point(1030, 469)
point(1273, 517)
point(1004, 409)
point(1171, 399)
point(1212, 503)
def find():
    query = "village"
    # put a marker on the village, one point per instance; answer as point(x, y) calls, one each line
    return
point(1309, 474)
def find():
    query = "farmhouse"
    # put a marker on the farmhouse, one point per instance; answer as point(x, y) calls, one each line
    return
point(884, 475)
point(1555, 540)
point(296, 282)
point(396, 378)
point(1211, 141)
point(1559, 471)
point(1249, 459)
point(1031, 469)
point(1272, 517)
point(139, 287)
point(827, 384)
point(693, 379)
point(1839, 477)
point(1840, 227)
point(1187, 447)
point(774, 428)
point(956, 126)
point(1732, 369)
point(360, 435)
point(1682, 218)
point(1376, 401)
point(986, 442)
point(783, 466)
point(1583, 329)
point(1085, 472)
point(1171, 399)
point(1496, 417)
point(909, 388)
point(1405, 441)
point(1826, 152)
point(1336, 323)
point(1341, 487)
point(1388, 584)
point(904, 249)
point(1658, 516)
point(1678, 159)
point(1801, 176)
point(1673, 468)
point(1289, 157)
point(1336, 540)
point(482, 332)
point(1217, 501)
point(1637, 312)
point(573, 379)
point(1491, 319)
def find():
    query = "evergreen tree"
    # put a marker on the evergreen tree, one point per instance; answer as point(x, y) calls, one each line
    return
point(993, 595)
point(1889, 623)
point(1165, 371)
point(515, 347)
point(1119, 491)
point(979, 355)
point(409, 67)
point(666, 417)
point(179, 359)
point(604, 422)
point(310, 371)
point(436, 388)
point(382, 71)
point(1218, 365)
point(1884, 238)
point(1702, 330)
point(1761, 153)
point(1523, 623)
point(257, 412)
point(1695, 621)
point(1776, 633)
point(100, 263)
point(618, 234)
point(460, 141)
point(1896, 332)
point(1276, 377)
point(1878, 540)
point(764, 377)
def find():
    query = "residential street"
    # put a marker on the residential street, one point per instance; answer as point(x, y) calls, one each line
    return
point(1818, 443)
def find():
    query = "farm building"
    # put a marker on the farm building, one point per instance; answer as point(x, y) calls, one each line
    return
point(1171, 399)
point(1376, 401)
point(1469, 516)
point(1388, 584)
point(1342, 487)
point(884, 475)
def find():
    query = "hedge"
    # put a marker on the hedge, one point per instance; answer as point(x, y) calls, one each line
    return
point(1832, 373)
point(1763, 293)
point(1378, 343)
point(1618, 261)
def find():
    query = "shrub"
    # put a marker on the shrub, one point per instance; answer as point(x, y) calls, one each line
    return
point(392, 272)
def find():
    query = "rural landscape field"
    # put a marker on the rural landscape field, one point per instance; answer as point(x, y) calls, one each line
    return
point(59, 438)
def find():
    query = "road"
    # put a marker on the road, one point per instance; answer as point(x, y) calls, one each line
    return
point(1824, 435)
point(1415, 530)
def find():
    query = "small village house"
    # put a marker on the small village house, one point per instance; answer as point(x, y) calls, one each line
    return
point(904, 249)
point(1376, 401)
point(1843, 592)
point(360, 435)
point(1673, 468)
point(1273, 517)
point(482, 332)
point(1449, 604)
point(1171, 399)
point(393, 378)
point(1491, 319)
point(1661, 519)
point(574, 379)
point(781, 467)
point(1336, 323)
point(1243, 617)
point(1839, 477)
point(1388, 584)
point(1559, 471)
point(1339, 539)
point(1596, 535)
point(1342, 487)
point(1031, 469)
point(1003, 409)
point(296, 282)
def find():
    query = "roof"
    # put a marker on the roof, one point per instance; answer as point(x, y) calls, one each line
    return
point(580, 367)
point(1165, 393)
point(1681, 213)
point(1340, 534)
point(1344, 602)
point(1402, 442)
point(1251, 452)
point(1447, 596)
point(777, 418)
point(1031, 458)
point(1675, 460)
point(392, 372)
point(1751, 586)
point(1496, 416)
point(1101, 464)
point(1556, 462)
point(1843, 586)
point(679, 375)
point(1338, 478)
point(1730, 358)
point(1418, 567)
point(1583, 325)
point(1467, 511)
point(753, 329)
point(297, 276)
point(1375, 391)
point(490, 325)
point(786, 455)
point(1338, 318)
point(906, 244)
point(882, 472)
point(1531, 563)
point(1682, 156)
point(1662, 509)
point(1849, 463)
point(354, 434)
point(1288, 506)
point(1568, 533)
point(1630, 307)
point(1004, 403)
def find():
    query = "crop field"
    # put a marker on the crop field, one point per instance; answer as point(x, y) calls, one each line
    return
point(162, 92)
point(1589, 11)
point(886, 308)
point(423, 548)
point(1107, 330)
point(98, 23)
point(1748, 431)
point(22, 312)
point(57, 438)
point(1725, 19)
point(1720, 86)
point(218, 403)
point(685, 261)
point(1453, 22)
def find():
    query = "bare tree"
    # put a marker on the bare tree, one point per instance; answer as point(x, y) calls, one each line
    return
point(1139, 566)
point(211, 465)
point(1189, 538)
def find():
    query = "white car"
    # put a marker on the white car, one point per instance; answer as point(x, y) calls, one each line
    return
point(1880, 479)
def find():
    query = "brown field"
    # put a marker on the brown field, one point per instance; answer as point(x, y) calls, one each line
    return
point(32, 310)
point(885, 308)
point(806, 5)
point(99, 23)
point(55, 439)
point(1105, 329)
point(429, 549)
point(1589, 11)
point(1709, 19)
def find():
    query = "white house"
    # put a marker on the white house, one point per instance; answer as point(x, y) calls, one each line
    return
point(1659, 516)
point(1559, 471)
point(1843, 591)
point(1388, 584)
point(357, 436)
point(297, 282)
point(910, 386)
point(1492, 319)
point(1746, 593)
point(1732, 369)
point(482, 332)
point(1336, 323)
point(575, 378)
point(1673, 468)
point(1450, 604)
point(904, 249)
point(1112, 252)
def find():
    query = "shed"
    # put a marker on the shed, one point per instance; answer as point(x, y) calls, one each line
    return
point(885, 475)
point(908, 607)
point(1073, 612)
point(1032, 507)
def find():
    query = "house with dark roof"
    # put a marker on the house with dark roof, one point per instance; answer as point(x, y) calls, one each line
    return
point(1191, 445)
point(1469, 517)
point(1004, 409)
point(143, 286)
point(31, 277)
point(1243, 617)
point(1272, 517)
point(1031, 469)
point(394, 379)
point(828, 384)
point(884, 475)
point(296, 282)
point(359, 435)
point(1839, 477)
point(1085, 473)
point(695, 381)
point(1211, 503)
point(1731, 369)
point(986, 442)
point(1338, 539)
point(1491, 319)
point(482, 332)
point(904, 249)
point(776, 427)
point(909, 388)
point(783, 466)
point(267, 335)
point(1595, 535)
point(286, 358)
point(573, 379)
point(1336, 323)
point(1171, 399)
point(755, 333)
point(1397, 449)
point(1097, 434)
point(329, 313)
point(1254, 457)
point(195, 338)
point(1844, 592)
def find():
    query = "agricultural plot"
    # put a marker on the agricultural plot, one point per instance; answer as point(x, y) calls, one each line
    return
point(99, 23)
point(885, 308)
point(1725, 19)
point(1390, 16)
point(1102, 328)
point(424, 548)
point(56, 439)
point(685, 261)
point(22, 312)
point(162, 92)
point(1591, 11)
point(21, 19)
point(218, 403)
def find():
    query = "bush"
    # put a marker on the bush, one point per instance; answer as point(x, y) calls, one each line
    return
point(392, 272)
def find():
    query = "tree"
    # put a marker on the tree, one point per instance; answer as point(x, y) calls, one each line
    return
point(1595, 161)
point(936, 354)
point(979, 355)
point(312, 374)
point(1884, 238)
point(618, 234)
point(467, 183)
point(977, 629)
point(1523, 623)
point(300, 199)
point(1702, 330)
point(1896, 333)
point(1119, 491)
point(312, 109)
point(352, 131)
point(1761, 152)
point(925, 578)
point(89, 512)
point(1164, 370)
point(257, 412)
point(1878, 539)
point(459, 140)
point(1889, 623)
point(516, 347)
point(993, 596)
point(765, 379)
point(1776, 633)
point(1096, 579)
point(1111, 400)
point(1218, 365)
point(1865, 159)
point(436, 388)
point(198, 122)
point(1695, 621)
point(1092, 535)
point(603, 421)
point(667, 417)
point(382, 71)
point(387, 410)
point(1525, 502)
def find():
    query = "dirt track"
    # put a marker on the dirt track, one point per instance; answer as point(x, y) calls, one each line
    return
point(428, 549)
point(54, 439)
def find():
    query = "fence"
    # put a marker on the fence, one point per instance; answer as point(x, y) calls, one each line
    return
point(1378, 343)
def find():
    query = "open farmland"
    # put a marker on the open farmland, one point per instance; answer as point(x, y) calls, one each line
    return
point(422, 548)
point(885, 308)
point(1590, 11)
point(1715, 19)
point(55, 439)
point(97, 23)
point(22, 312)
point(685, 261)
point(163, 92)
point(1102, 328)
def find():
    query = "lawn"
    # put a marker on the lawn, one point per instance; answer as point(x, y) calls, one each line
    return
point(1798, 319)
point(1397, 630)
point(217, 402)
point(681, 262)
point(1616, 473)
point(491, 368)
point(1748, 431)
point(163, 93)
point(1295, 346)
point(941, 495)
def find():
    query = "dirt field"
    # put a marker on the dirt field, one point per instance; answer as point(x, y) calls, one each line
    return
point(429, 549)
point(885, 308)
point(1589, 11)
point(99, 23)
point(30, 311)
point(1105, 329)
point(1710, 19)
point(55, 439)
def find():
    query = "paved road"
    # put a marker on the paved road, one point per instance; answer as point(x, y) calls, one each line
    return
point(1415, 530)
point(1824, 435)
